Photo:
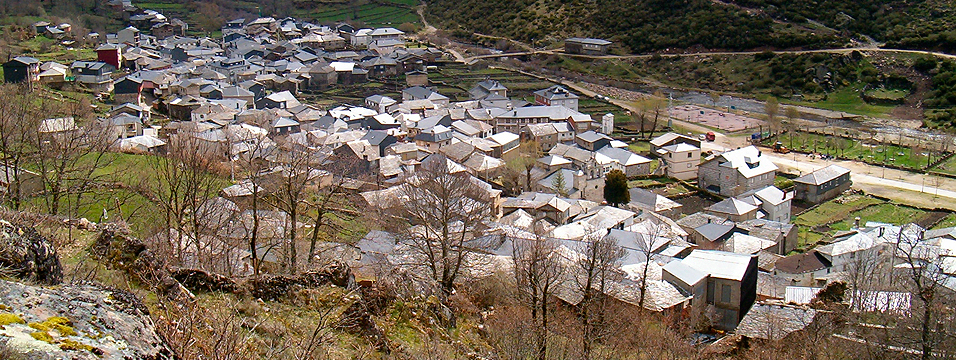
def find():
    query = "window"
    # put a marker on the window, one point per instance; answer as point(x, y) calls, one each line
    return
point(690, 155)
point(690, 166)
point(725, 293)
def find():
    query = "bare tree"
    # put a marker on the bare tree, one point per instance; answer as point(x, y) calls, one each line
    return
point(253, 170)
point(656, 105)
point(529, 153)
point(792, 114)
point(772, 107)
point(537, 274)
point(441, 216)
point(179, 183)
point(18, 114)
point(925, 277)
point(600, 265)
point(67, 162)
point(286, 188)
point(647, 243)
point(329, 198)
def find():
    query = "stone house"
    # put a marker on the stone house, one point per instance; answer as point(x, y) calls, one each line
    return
point(736, 172)
point(823, 184)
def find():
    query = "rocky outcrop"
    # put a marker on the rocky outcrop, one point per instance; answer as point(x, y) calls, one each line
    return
point(274, 287)
point(357, 320)
point(117, 249)
point(26, 254)
point(80, 321)
point(120, 251)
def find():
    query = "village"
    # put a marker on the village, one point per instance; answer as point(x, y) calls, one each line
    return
point(704, 230)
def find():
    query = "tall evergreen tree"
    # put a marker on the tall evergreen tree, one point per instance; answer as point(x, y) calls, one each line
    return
point(615, 188)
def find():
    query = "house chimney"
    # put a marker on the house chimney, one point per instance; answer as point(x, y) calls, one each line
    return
point(881, 231)
point(856, 222)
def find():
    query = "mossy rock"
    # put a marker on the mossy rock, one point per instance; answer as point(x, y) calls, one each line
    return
point(8, 318)
point(73, 345)
point(42, 336)
point(61, 324)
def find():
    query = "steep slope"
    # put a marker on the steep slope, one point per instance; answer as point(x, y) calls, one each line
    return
point(640, 25)
point(905, 24)
point(657, 25)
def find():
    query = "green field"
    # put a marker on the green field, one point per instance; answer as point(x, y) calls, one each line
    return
point(455, 80)
point(848, 100)
point(875, 153)
point(806, 237)
point(834, 210)
point(840, 214)
point(946, 222)
point(140, 213)
point(882, 213)
point(888, 94)
point(652, 182)
point(947, 167)
point(373, 14)
point(640, 147)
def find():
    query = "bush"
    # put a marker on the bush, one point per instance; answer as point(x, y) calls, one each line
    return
point(766, 55)
point(925, 64)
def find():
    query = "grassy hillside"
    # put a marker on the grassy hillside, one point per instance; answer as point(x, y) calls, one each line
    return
point(638, 25)
point(919, 24)
point(829, 81)
point(657, 25)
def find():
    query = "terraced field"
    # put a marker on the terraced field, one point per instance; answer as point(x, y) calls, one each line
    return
point(454, 81)
point(373, 14)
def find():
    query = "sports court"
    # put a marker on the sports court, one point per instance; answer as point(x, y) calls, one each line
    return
point(721, 120)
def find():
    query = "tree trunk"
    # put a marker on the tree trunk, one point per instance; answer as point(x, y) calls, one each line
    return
point(292, 234)
point(253, 247)
point(543, 332)
point(315, 235)
point(925, 332)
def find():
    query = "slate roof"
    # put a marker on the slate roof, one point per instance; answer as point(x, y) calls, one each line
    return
point(556, 92)
point(773, 195)
point(822, 175)
point(714, 231)
point(774, 322)
point(554, 160)
point(732, 206)
point(803, 263)
point(589, 41)
point(375, 137)
point(685, 273)
point(622, 156)
point(719, 264)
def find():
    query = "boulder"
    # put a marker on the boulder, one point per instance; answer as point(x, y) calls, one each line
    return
point(28, 255)
point(77, 321)
point(200, 280)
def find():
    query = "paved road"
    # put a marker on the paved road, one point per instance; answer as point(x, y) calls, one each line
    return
point(864, 176)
